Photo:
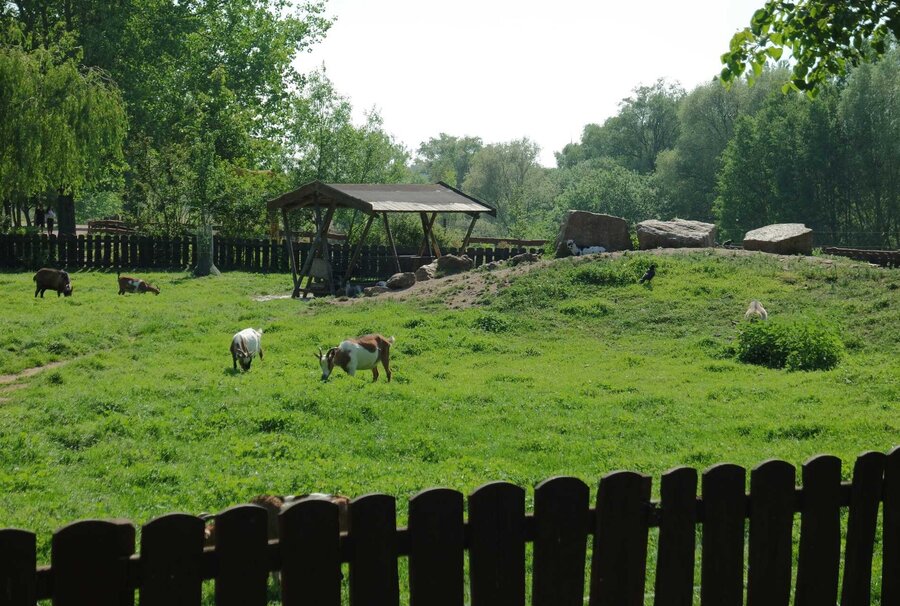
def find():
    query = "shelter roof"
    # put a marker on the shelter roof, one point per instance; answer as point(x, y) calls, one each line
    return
point(383, 197)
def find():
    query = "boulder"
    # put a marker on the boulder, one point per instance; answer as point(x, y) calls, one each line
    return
point(676, 233)
point(592, 229)
point(426, 272)
point(401, 280)
point(524, 258)
point(453, 264)
point(371, 291)
point(780, 239)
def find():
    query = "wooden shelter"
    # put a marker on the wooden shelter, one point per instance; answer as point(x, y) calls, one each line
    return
point(373, 200)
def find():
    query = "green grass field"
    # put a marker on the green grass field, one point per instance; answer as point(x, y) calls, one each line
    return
point(574, 369)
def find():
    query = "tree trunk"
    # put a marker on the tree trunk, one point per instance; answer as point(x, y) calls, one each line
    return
point(205, 265)
point(65, 213)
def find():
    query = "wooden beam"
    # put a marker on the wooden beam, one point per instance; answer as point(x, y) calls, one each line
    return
point(434, 243)
point(290, 247)
point(329, 274)
point(359, 246)
point(312, 250)
point(465, 242)
point(387, 229)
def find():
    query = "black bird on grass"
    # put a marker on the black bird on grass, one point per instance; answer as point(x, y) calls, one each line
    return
point(649, 274)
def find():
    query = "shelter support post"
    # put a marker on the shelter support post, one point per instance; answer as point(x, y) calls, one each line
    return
point(352, 264)
point(434, 243)
point(465, 242)
point(387, 229)
point(290, 246)
point(427, 227)
point(307, 266)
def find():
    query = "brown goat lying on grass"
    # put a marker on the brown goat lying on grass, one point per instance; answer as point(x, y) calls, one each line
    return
point(135, 285)
point(275, 504)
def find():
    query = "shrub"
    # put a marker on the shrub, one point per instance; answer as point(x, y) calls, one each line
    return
point(795, 345)
point(602, 274)
point(592, 308)
point(492, 323)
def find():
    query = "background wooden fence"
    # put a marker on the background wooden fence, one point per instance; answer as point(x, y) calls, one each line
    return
point(94, 562)
point(121, 252)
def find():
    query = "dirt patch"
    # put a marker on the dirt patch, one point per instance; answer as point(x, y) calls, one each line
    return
point(29, 372)
point(270, 297)
point(466, 289)
point(11, 382)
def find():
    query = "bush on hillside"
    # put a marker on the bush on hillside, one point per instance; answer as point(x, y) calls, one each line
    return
point(602, 274)
point(795, 345)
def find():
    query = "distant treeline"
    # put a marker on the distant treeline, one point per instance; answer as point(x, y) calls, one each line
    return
point(157, 112)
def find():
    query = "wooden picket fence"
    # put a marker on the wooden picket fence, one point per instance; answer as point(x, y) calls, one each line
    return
point(94, 562)
point(120, 252)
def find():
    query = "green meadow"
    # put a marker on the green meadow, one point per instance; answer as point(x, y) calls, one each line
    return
point(570, 369)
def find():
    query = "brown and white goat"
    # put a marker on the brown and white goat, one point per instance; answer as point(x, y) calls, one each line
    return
point(245, 345)
point(135, 285)
point(52, 279)
point(361, 353)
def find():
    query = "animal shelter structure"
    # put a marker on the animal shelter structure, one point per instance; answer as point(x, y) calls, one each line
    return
point(374, 199)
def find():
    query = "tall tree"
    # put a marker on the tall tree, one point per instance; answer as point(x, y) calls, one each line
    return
point(647, 124)
point(61, 127)
point(447, 158)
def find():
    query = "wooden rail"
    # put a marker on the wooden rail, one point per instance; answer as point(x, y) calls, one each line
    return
point(885, 258)
point(179, 253)
point(95, 562)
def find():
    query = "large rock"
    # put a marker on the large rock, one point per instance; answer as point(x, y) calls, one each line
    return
point(453, 264)
point(592, 229)
point(401, 280)
point(426, 272)
point(781, 239)
point(524, 258)
point(372, 291)
point(676, 233)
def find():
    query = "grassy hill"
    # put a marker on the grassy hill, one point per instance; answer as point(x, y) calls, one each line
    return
point(570, 368)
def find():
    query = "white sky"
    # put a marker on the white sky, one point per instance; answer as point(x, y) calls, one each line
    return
point(506, 69)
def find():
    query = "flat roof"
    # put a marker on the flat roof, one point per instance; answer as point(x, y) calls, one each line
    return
point(374, 198)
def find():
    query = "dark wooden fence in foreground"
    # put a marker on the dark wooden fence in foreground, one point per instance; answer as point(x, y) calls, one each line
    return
point(94, 562)
point(122, 252)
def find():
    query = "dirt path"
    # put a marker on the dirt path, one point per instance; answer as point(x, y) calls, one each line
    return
point(12, 382)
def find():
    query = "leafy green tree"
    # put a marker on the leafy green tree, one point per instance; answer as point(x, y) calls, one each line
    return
point(61, 127)
point(447, 158)
point(647, 124)
point(824, 37)
point(603, 186)
point(508, 177)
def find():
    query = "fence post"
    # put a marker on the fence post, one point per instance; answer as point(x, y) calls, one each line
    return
point(890, 572)
point(18, 560)
point(374, 580)
point(864, 500)
point(677, 538)
point(562, 522)
point(309, 534)
point(819, 556)
point(436, 548)
point(171, 560)
point(771, 525)
point(497, 545)
point(241, 541)
point(619, 566)
point(89, 563)
point(724, 510)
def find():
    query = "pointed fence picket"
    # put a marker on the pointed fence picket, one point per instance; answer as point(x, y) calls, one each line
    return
point(94, 561)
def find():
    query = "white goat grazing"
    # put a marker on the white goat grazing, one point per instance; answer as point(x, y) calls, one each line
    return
point(588, 250)
point(245, 345)
point(756, 311)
